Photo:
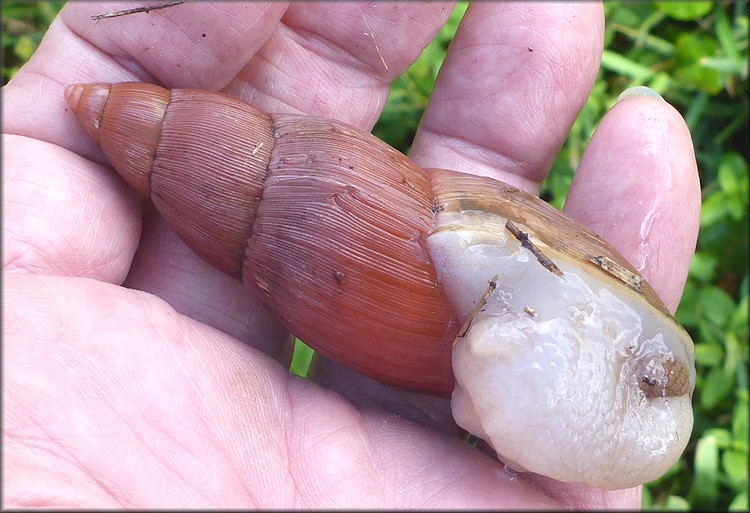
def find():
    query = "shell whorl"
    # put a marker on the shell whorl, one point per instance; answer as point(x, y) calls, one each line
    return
point(326, 222)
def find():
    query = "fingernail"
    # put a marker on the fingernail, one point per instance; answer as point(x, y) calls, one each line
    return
point(638, 92)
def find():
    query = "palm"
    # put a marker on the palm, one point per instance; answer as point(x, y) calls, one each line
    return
point(113, 397)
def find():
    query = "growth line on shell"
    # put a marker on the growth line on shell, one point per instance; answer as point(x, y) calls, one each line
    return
point(523, 238)
point(480, 304)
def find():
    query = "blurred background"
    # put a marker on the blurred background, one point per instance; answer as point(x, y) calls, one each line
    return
point(695, 54)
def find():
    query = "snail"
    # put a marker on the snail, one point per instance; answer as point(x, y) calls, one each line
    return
point(554, 350)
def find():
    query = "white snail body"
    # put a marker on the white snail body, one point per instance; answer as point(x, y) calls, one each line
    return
point(533, 376)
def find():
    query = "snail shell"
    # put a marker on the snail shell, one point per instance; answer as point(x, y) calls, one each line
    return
point(560, 346)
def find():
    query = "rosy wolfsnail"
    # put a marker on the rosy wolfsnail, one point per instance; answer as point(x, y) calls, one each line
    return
point(556, 351)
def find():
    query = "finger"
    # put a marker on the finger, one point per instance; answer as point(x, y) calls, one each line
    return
point(581, 497)
point(514, 79)
point(338, 59)
point(165, 46)
point(64, 215)
point(191, 45)
point(637, 186)
point(204, 293)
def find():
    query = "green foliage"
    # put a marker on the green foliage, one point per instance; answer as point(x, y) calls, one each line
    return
point(685, 11)
point(695, 54)
point(24, 25)
point(301, 359)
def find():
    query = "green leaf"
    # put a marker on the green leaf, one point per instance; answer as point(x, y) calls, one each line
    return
point(701, 77)
point(647, 501)
point(717, 306)
point(624, 66)
point(10, 72)
point(733, 174)
point(735, 357)
point(713, 209)
point(691, 49)
point(739, 420)
point(733, 180)
point(677, 503)
point(641, 37)
point(724, 35)
point(739, 503)
point(709, 333)
point(703, 267)
point(722, 436)
point(739, 322)
point(624, 14)
point(722, 65)
point(685, 11)
point(708, 355)
point(661, 83)
point(696, 108)
point(734, 464)
point(687, 312)
point(24, 48)
point(705, 489)
point(716, 386)
point(301, 358)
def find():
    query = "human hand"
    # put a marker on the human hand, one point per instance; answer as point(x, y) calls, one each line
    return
point(115, 397)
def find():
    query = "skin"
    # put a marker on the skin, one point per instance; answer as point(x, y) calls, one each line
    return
point(137, 376)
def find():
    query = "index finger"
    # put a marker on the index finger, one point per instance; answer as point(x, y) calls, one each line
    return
point(514, 79)
point(165, 46)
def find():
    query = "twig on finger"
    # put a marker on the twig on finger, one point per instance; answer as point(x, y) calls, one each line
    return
point(136, 10)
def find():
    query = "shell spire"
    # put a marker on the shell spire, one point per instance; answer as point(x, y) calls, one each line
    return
point(335, 247)
point(133, 129)
point(184, 155)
